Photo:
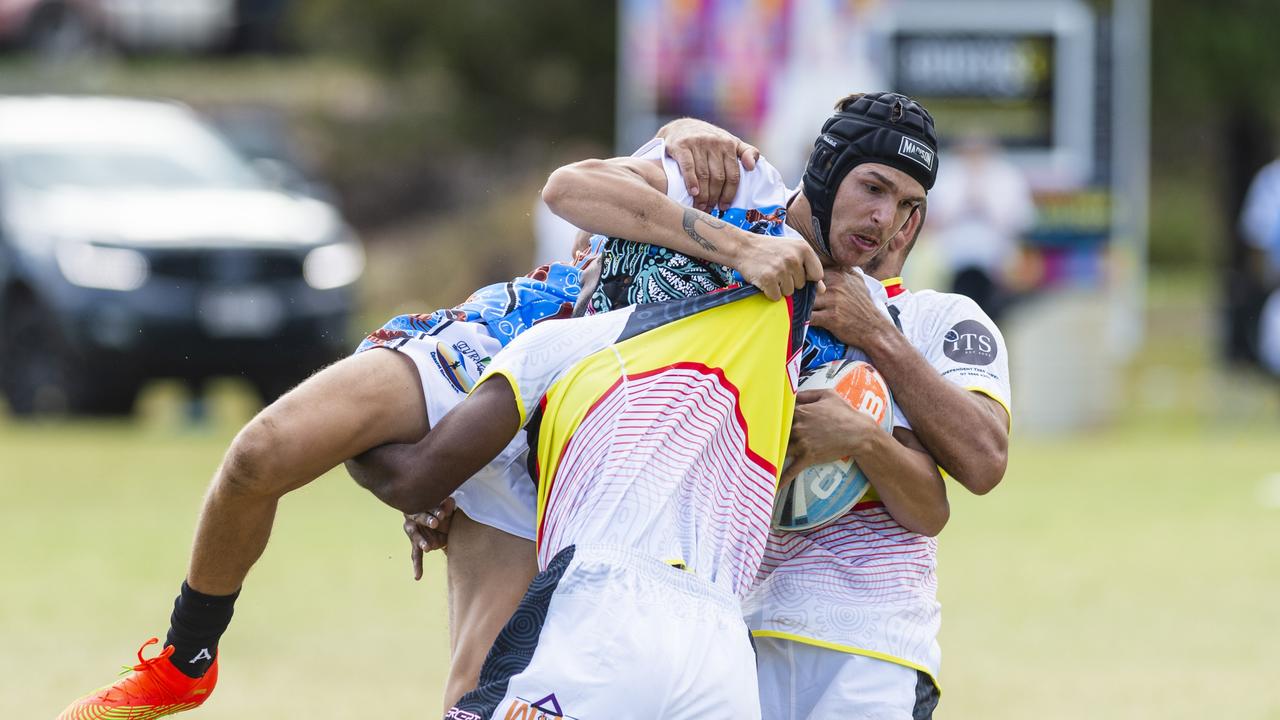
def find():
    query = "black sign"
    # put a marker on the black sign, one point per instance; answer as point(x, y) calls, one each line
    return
point(1000, 84)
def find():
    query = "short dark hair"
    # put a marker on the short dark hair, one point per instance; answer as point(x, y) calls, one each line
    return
point(843, 104)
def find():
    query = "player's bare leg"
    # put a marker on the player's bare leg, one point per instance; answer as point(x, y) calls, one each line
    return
point(360, 402)
point(489, 572)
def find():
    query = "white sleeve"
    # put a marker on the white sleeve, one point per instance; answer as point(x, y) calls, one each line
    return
point(541, 355)
point(967, 349)
point(758, 188)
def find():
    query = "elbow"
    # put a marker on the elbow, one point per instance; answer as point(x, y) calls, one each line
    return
point(932, 525)
point(558, 188)
point(986, 467)
point(406, 494)
point(982, 480)
point(565, 183)
point(388, 473)
point(385, 482)
point(991, 472)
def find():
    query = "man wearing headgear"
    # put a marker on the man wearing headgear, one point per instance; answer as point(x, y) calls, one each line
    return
point(845, 616)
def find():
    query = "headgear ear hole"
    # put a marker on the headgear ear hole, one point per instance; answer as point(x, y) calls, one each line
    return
point(823, 159)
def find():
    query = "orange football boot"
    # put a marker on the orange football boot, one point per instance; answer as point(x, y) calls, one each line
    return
point(154, 689)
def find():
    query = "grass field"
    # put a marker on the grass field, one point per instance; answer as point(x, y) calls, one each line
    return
point(1131, 574)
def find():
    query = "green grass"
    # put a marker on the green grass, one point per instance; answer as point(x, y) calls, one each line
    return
point(1125, 575)
point(97, 523)
point(1128, 574)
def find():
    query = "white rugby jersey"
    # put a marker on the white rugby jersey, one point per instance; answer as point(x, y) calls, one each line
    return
point(660, 428)
point(864, 584)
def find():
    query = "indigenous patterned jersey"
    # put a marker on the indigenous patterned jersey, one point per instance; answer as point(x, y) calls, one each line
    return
point(506, 309)
point(633, 273)
point(864, 584)
point(660, 428)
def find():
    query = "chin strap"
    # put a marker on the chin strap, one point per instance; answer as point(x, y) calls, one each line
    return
point(820, 241)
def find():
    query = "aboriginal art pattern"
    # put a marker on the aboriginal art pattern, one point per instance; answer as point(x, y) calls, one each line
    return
point(516, 643)
point(635, 273)
point(506, 309)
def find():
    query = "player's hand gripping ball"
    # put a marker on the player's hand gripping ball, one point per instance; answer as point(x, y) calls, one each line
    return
point(824, 492)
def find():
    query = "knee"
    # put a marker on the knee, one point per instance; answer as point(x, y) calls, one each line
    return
point(248, 467)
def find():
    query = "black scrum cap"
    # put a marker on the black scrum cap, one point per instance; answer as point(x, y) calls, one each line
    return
point(882, 127)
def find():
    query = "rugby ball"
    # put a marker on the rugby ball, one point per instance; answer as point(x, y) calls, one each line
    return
point(823, 493)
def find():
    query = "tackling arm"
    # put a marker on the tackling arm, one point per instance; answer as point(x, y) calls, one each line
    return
point(709, 158)
point(419, 476)
point(626, 198)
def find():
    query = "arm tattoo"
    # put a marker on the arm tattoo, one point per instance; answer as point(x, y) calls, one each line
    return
point(691, 217)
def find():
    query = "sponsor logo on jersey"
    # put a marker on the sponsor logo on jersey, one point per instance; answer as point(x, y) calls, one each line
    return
point(544, 709)
point(458, 714)
point(480, 361)
point(916, 150)
point(453, 367)
point(971, 343)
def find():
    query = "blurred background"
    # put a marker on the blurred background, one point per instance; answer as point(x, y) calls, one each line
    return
point(203, 201)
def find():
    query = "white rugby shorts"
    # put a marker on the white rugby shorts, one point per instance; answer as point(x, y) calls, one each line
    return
point(605, 632)
point(450, 358)
point(800, 681)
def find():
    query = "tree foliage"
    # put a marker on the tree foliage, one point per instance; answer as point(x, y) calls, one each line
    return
point(508, 69)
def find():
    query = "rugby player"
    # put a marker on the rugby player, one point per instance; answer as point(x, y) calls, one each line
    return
point(876, 205)
point(372, 399)
point(847, 615)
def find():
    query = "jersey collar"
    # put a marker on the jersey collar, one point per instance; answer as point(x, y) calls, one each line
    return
point(893, 286)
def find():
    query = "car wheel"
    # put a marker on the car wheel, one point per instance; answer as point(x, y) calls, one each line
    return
point(34, 367)
point(41, 376)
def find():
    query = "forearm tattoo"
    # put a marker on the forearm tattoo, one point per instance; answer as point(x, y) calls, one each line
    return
point(691, 217)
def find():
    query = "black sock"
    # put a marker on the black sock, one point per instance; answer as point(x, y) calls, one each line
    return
point(197, 623)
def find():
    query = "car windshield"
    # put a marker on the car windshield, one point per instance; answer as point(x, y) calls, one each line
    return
point(125, 167)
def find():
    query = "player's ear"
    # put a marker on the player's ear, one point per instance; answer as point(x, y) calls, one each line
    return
point(909, 230)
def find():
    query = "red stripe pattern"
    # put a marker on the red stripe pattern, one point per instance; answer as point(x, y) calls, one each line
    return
point(661, 464)
point(861, 582)
point(866, 555)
